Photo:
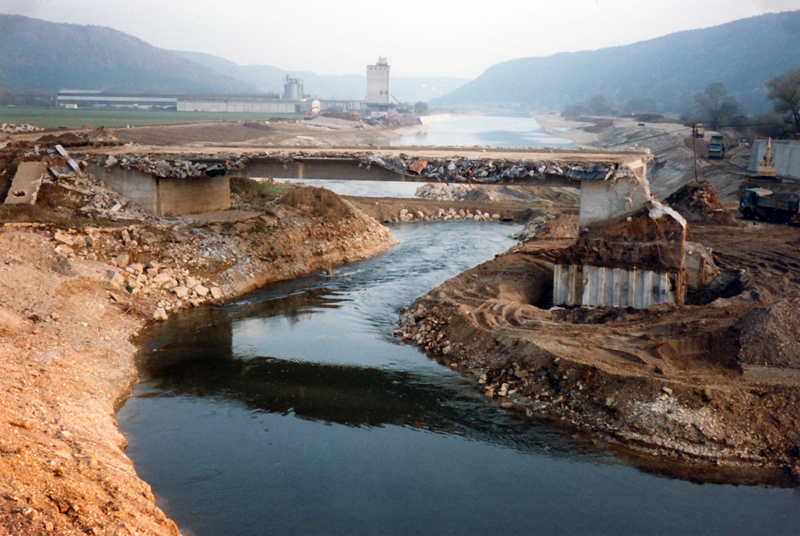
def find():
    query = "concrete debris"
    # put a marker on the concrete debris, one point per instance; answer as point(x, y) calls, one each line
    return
point(74, 165)
point(11, 128)
point(180, 167)
point(26, 183)
point(485, 170)
point(454, 169)
point(659, 210)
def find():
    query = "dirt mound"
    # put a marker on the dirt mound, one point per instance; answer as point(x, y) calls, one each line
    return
point(549, 227)
point(698, 203)
point(67, 137)
point(768, 335)
point(101, 134)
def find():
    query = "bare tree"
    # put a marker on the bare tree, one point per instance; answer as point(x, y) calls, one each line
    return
point(715, 104)
point(784, 89)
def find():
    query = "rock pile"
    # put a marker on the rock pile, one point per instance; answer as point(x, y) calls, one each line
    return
point(102, 202)
point(425, 329)
point(444, 192)
point(533, 229)
point(168, 283)
point(406, 215)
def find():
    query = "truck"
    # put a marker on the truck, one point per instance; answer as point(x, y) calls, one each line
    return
point(716, 147)
point(698, 131)
point(779, 207)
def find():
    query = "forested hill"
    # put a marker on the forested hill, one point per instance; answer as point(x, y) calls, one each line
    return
point(743, 55)
point(47, 56)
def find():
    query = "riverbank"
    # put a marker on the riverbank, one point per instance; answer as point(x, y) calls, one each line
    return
point(73, 293)
point(706, 390)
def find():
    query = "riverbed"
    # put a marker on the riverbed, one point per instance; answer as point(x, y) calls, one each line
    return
point(294, 410)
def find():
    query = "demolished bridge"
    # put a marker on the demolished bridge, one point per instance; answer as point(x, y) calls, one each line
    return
point(632, 249)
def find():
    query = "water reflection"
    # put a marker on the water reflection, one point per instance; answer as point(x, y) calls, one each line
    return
point(203, 362)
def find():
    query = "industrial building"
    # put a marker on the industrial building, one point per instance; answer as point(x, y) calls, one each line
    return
point(265, 103)
point(87, 98)
point(293, 89)
point(379, 86)
point(245, 104)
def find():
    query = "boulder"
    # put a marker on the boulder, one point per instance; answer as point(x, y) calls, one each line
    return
point(64, 238)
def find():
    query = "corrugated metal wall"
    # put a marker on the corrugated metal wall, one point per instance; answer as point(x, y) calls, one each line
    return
point(610, 287)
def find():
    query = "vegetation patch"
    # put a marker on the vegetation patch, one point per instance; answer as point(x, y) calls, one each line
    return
point(321, 203)
point(252, 191)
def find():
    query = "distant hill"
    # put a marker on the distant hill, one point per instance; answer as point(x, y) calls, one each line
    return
point(344, 87)
point(743, 55)
point(47, 56)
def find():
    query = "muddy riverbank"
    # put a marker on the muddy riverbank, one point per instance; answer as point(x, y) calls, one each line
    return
point(713, 382)
point(73, 292)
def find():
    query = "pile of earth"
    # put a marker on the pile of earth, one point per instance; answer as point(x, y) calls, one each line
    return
point(699, 203)
point(66, 138)
point(768, 335)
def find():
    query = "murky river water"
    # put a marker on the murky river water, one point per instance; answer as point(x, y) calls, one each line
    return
point(294, 411)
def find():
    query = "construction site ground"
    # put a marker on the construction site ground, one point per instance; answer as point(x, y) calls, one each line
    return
point(707, 390)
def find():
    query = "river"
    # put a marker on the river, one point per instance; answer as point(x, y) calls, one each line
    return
point(294, 410)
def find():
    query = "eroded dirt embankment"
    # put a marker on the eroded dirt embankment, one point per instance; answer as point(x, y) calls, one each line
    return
point(716, 382)
point(71, 297)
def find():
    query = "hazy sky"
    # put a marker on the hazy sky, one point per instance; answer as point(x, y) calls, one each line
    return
point(419, 37)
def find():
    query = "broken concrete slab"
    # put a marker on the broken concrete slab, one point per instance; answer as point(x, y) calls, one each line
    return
point(72, 163)
point(26, 183)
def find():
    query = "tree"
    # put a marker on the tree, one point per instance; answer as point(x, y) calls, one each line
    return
point(784, 89)
point(715, 104)
point(420, 108)
point(598, 105)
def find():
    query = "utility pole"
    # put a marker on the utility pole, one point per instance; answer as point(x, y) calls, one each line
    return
point(694, 148)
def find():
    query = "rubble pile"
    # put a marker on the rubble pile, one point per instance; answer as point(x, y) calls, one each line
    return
point(471, 169)
point(170, 284)
point(444, 192)
point(181, 167)
point(406, 215)
point(11, 128)
point(101, 201)
point(699, 203)
point(477, 169)
point(534, 228)
point(425, 329)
